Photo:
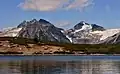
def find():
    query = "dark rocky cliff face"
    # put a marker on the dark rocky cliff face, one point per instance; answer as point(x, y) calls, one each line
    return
point(42, 30)
point(97, 27)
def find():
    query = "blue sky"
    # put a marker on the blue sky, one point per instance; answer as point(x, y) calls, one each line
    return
point(62, 13)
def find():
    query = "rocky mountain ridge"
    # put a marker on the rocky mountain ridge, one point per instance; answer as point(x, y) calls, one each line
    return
point(42, 30)
point(81, 33)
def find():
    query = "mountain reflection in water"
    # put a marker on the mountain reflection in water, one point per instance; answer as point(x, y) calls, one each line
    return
point(59, 67)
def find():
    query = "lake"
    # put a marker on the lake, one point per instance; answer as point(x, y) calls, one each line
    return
point(59, 64)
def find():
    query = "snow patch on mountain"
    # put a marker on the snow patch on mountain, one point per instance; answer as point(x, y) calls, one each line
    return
point(13, 32)
point(54, 36)
point(107, 33)
point(7, 29)
point(62, 31)
point(69, 38)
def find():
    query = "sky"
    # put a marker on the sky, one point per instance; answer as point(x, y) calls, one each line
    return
point(61, 13)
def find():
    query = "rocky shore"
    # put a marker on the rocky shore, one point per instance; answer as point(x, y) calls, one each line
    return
point(7, 48)
point(20, 46)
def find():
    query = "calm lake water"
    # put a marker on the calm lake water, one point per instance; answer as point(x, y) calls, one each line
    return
point(59, 64)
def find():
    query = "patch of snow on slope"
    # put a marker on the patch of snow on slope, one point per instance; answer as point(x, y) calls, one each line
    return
point(62, 31)
point(54, 36)
point(69, 38)
point(7, 29)
point(85, 27)
point(13, 32)
point(107, 33)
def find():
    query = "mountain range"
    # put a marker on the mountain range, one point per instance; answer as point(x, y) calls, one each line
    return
point(81, 33)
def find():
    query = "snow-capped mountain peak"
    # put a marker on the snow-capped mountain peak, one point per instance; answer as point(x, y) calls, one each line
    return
point(85, 27)
point(33, 21)
point(84, 33)
point(42, 30)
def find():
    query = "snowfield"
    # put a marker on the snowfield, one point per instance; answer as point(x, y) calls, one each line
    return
point(13, 32)
point(107, 33)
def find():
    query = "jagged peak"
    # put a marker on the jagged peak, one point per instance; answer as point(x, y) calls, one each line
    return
point(94, 26)
point(97, 27)
point(33, 21)
point(43, 21)
point(79, 25)
point(24, 23)
point(84, 23)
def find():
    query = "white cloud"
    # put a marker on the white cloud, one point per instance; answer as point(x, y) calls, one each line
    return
point(50, 5)
point(79, 4)
point(42, 5)
point(62, 23)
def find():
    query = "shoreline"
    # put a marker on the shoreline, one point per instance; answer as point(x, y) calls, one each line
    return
point(8, 48)
point(62, 55)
